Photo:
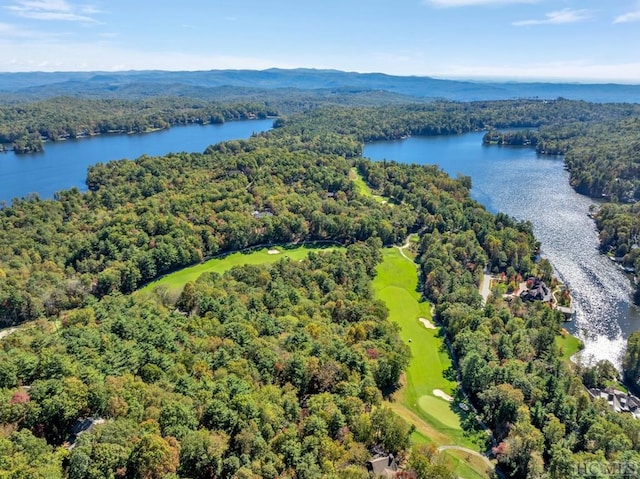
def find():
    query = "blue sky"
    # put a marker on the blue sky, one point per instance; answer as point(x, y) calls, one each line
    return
point(587, 40)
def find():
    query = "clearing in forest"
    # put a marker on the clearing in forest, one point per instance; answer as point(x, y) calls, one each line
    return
point(173, 283)
point(363, 188)
point(437, 420)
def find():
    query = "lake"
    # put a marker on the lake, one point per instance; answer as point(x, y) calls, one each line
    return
point(527, 186)
point(515, 181)
point(63, 164)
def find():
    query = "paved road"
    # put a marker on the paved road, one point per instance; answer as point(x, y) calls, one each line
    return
point(485, 286)
point(468, 451)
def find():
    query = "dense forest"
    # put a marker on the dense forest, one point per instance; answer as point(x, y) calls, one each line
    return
point(26, 126)
point(278, 371)
point(270, 370)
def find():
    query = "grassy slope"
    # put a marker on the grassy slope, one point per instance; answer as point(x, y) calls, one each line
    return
point(467, 466)
point(362, 188)
point(435, 420)
point(569, 345)
point(175, 282)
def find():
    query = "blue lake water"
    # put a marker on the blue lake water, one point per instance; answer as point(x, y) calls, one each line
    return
point(515, 181)
point(63, 165)
point(527, 186)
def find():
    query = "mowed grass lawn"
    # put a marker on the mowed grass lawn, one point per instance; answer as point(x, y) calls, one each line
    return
point(174, 282)
point(568, 344)
point(363, 188)
point(396, 284)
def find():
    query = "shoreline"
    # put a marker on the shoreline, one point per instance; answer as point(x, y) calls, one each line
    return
point(124, 132)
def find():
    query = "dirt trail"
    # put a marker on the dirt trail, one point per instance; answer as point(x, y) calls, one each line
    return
point(6, 332)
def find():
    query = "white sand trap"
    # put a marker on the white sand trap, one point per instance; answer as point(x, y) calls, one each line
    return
point(273, 251)
point(427, 324)
point(442, 394)
point(7, 332)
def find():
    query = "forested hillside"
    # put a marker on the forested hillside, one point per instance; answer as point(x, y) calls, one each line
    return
point(148, 217)
point(534, 401)
point(273, 370)
point(208, 84)
point(25, 126)
point(277, 371)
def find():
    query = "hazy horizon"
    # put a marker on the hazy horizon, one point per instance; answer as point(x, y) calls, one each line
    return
point(479, 79)
point(480, 40)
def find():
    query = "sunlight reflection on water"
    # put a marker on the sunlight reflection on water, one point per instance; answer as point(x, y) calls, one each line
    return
point(518, 182)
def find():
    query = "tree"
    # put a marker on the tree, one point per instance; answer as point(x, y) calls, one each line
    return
point(390, 431)
point(521, 451)
point(390, 367)
point(153, 457)
point(201, 454)
point(554, 431)
point(426, 463)
point(631, 360)
point(177, 419)
point(501, 404)
point(22, 455)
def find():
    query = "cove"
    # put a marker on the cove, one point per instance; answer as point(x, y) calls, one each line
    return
point(63, 165)
point(527, 186)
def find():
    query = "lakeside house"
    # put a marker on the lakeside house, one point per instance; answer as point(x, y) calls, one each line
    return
point(619, 401)
point(534, 289)
point(538, 291)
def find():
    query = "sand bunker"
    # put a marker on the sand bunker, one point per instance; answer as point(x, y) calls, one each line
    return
point(427, 324)
point(7, 332)
point(273, 251)
point(441, 394)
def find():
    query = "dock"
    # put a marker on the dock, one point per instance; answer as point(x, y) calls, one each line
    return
point(567, 311)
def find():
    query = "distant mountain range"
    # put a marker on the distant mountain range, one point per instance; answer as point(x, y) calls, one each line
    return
point(215, 83)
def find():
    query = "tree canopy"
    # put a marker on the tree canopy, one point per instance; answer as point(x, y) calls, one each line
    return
point(280, 370)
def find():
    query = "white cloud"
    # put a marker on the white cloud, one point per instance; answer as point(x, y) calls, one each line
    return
point(89, 10)
point(20, 55)
point(53, 10)
point(566, 15)
point(469, 3)
point(8, 30)
point(628, 17)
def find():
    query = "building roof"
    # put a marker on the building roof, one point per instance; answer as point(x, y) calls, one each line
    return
point(80, 426)
point(619, 401)
point(383, 466)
